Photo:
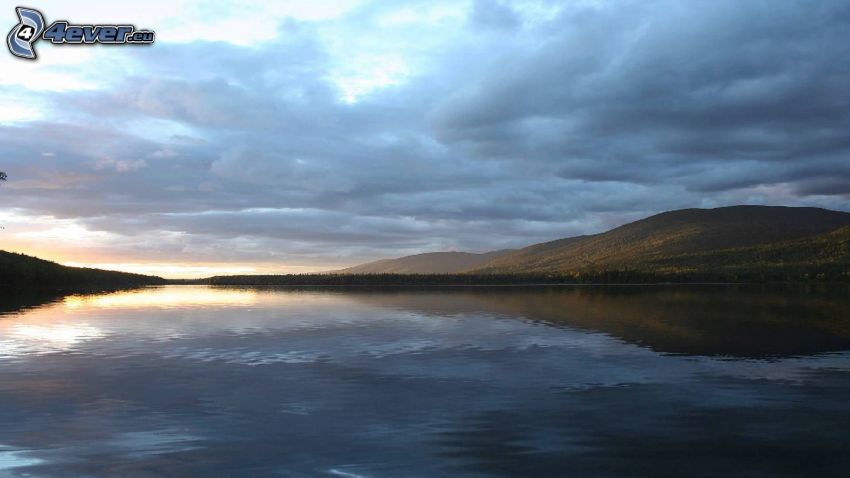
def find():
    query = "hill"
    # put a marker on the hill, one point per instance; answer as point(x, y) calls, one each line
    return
point(683, 240)
point(824, 254)
point(428, 263)
point(22, 271)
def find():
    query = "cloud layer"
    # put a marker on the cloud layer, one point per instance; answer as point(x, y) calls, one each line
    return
point(375, 129)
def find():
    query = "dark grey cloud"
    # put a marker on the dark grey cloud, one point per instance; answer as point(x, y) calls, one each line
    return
point(514, 126)
point(660, 84)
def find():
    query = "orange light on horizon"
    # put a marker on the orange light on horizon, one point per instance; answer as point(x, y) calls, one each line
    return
point(69, 243)
point(168, 270)
point(198, 271)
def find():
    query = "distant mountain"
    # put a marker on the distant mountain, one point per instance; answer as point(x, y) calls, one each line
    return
point(727, 242)
point(687, 239)
point(428, 263)
point(20, 270)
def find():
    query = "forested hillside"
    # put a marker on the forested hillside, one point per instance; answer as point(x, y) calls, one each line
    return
point(19, 270)
point(427, 263)
point(662, 238)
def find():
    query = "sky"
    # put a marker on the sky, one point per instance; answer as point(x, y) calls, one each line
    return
point(277, 137)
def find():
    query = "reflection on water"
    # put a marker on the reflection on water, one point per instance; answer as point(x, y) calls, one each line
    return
point(24, 339)
point(163, 297)
point(570, 381)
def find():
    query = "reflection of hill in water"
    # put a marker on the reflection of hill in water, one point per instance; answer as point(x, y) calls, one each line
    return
point(12, 301)
point(739, 321)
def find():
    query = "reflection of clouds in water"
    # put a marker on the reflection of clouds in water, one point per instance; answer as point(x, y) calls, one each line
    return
point(346, 474)
point(268, 327)
point(242, 357)
point(11, 458)
point(793, 369)
point(135, 445)
point(151, 442)
point(286, 327)
point(165, 297)
point(330, 384)
point(470, 350)
point(63, 335)
point(403, 347)
point(32, 339)
point(297, 409)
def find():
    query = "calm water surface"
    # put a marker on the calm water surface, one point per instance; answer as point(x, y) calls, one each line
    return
point(189, 381)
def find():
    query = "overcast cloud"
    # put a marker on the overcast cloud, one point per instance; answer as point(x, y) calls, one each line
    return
point(314, 136)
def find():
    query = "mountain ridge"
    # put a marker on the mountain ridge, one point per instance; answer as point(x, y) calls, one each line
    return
point(648, 244)
point(450, 262)
point(736, 243)
point(683, 231)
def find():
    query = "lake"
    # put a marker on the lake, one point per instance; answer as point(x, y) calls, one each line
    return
point(195, 381)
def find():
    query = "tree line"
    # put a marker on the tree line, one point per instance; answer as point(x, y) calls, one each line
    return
point(796, 274)
point(25, 272)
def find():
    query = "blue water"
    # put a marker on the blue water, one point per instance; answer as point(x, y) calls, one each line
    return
point(189, 381)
